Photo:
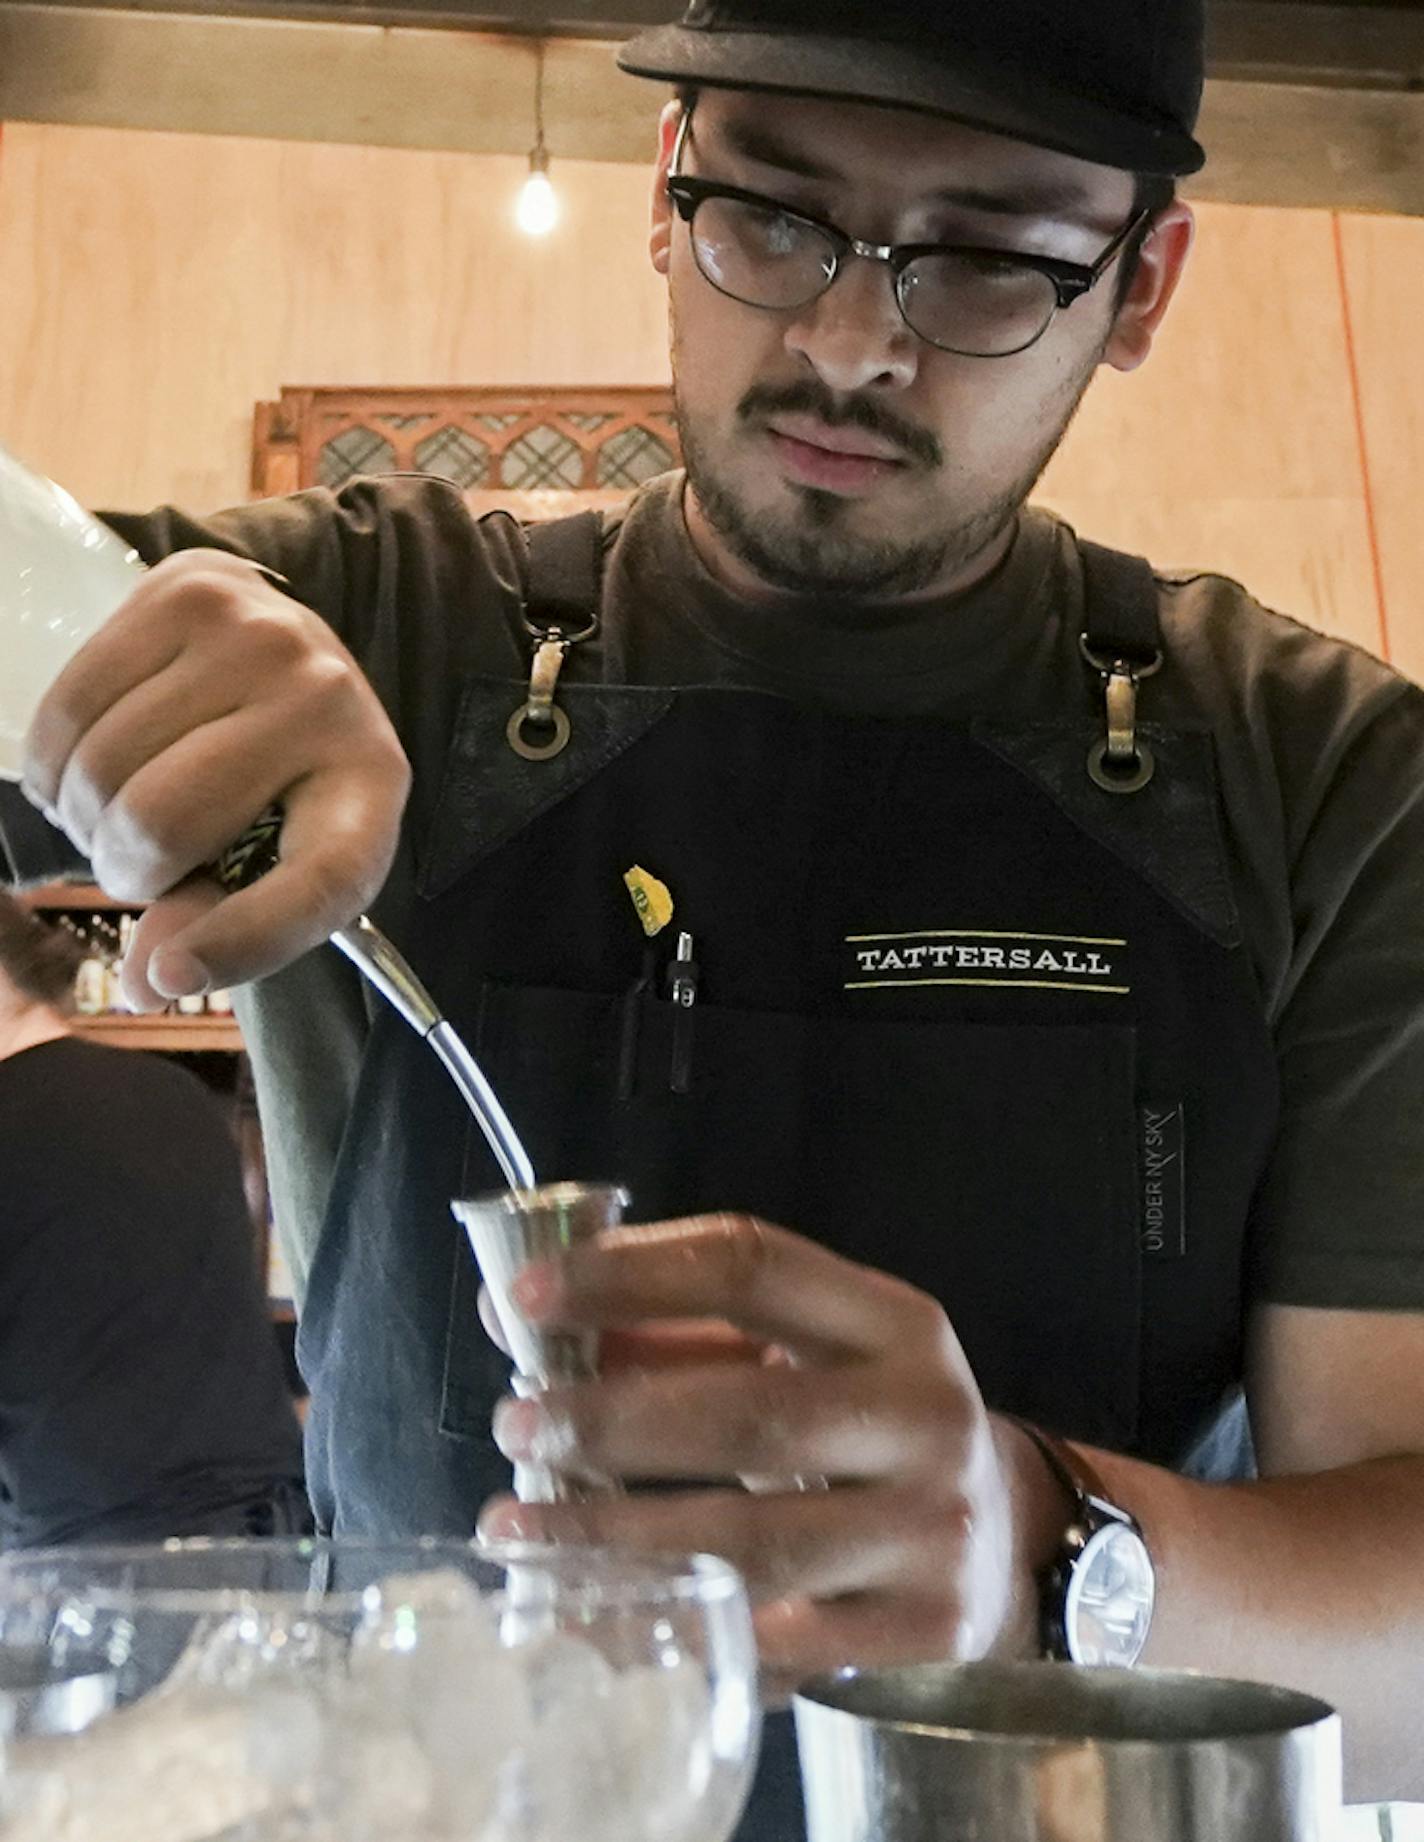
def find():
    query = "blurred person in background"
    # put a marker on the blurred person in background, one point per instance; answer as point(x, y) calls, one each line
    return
point(142, 1394)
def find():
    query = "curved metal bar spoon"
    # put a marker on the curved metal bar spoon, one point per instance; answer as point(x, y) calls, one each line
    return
point(372, 953)
point(378, 960)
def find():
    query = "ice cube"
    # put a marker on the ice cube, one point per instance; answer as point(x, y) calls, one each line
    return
point(427, 1662)
point(170, 1768)
point(566, 1678)
point(613, 1755)
point(235, 1649)
point(663, 1721)
point(375, 1782)
point(563, 1782)
point(433, 1625)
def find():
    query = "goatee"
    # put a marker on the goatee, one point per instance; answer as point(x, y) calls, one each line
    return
point(814, 549)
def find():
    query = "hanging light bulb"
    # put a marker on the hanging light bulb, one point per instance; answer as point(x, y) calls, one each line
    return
point(538, 209)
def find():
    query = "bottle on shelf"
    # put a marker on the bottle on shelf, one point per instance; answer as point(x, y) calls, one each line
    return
point(112, 953)
point(91, 982)
point(122, 945)
point(105, 940)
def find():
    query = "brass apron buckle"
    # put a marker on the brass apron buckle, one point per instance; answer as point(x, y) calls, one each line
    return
point(1121, 763)
point(539, 729)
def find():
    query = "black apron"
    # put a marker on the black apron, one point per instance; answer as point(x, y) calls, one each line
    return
point(958, 1013)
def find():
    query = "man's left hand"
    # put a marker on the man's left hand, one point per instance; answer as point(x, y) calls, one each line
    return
point(922, 1543)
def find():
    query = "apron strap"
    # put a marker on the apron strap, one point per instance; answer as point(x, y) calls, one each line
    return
point(564, 582)
point(563, 588)
point(1121, 642)
point(1122, 609)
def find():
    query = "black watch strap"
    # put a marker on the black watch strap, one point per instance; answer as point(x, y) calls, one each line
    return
point(1072, 1469)
point(1092, 1511)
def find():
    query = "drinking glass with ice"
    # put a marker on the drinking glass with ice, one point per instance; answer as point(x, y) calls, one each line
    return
point(343, 1691)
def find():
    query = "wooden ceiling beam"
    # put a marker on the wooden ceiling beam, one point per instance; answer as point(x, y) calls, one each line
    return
point(1307, 105)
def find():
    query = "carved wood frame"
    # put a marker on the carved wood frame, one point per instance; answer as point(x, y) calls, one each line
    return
point(290, 435)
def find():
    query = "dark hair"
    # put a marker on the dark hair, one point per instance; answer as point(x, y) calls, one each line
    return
point(38, 960)
point(1151, 191)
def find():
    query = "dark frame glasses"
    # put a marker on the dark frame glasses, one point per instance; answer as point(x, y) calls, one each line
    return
point(1070, 280)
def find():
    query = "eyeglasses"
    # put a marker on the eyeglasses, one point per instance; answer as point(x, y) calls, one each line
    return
point(978, 303)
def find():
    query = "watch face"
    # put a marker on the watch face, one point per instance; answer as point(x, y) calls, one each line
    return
point(1109, 1600)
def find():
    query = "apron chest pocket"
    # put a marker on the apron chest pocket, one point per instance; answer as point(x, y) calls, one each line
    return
point(993, 1166)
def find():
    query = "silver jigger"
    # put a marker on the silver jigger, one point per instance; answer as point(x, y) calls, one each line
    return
point(507, 1231)
point(1054, 1752)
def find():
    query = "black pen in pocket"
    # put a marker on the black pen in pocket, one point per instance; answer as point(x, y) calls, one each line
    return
point(628, 1036)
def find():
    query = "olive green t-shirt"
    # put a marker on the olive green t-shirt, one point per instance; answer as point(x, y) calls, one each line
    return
point(1319, 750)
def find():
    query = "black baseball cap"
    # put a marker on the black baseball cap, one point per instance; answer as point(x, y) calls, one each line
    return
point(1118, 82)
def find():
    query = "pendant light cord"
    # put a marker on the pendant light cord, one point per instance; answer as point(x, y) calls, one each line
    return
point(539, 99)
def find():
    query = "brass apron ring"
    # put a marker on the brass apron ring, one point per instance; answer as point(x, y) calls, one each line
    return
point(1120, 763)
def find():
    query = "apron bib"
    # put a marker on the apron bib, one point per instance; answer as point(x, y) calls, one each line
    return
point(936, 1027)
point(958, 1013)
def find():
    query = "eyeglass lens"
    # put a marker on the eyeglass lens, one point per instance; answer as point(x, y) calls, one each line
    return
point(980, 305)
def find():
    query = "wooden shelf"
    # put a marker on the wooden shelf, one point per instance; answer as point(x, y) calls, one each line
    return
point(75, 895)
point(161, 1032)
point(167, 1030)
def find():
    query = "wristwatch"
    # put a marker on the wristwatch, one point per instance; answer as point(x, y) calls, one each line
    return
point(1096, 1595)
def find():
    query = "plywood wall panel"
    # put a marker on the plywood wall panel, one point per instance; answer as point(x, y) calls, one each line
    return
point(1305, 557)
point(1383, 263)
point(1247, 390)
point(1233, 448)
point(153, 287)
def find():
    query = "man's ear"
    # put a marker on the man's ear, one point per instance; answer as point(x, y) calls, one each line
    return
point(1159, 270)
point(660, 240)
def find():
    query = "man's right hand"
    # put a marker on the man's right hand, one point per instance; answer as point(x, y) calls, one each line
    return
point(206, 698)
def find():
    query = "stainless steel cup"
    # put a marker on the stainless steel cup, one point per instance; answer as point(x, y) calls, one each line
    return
point(507, 1231)
point(1051, 1752)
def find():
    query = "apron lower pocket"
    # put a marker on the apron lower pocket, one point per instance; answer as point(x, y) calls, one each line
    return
point(991, 1165)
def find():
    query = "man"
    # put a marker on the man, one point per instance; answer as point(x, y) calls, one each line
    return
point(141, 1392)
point(1036, 1029)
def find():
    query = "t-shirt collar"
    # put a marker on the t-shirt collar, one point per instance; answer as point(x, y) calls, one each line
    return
point(837, 639)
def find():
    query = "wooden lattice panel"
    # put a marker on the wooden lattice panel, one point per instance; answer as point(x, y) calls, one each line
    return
point(535, 452)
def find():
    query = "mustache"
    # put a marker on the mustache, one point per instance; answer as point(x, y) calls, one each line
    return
point(809, 398)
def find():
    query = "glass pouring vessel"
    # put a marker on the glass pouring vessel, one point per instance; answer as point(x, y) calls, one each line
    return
point(62, 574)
